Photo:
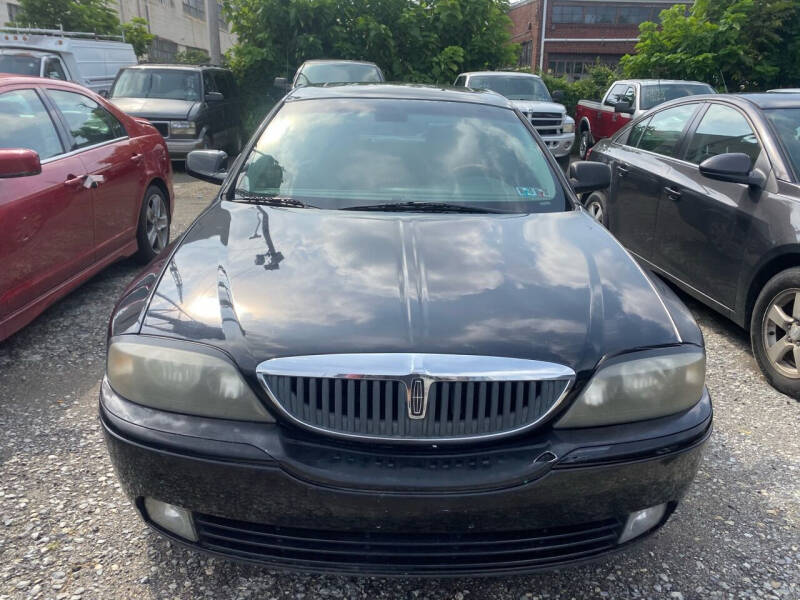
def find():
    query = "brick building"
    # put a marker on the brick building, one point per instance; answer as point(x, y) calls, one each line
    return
point(575, 34)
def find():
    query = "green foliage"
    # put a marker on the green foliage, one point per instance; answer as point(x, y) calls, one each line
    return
point(73, 15)
point(592, 87)
point(733, 44)
point(192, 56)
point(137, 35)
point(427, 41)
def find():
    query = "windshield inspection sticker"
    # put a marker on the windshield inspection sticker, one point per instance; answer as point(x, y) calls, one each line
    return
point(530, 192)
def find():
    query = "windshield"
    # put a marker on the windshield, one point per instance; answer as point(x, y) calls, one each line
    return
point(361, 152)
point(172, 84)
point(654, 94)
point(19, 64)
point(786, 122)
point(321, 73)
point(512, 87)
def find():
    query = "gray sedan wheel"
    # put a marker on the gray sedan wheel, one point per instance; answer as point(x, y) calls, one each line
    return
point(153, 231)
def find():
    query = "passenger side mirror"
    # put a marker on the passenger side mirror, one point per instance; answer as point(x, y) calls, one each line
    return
point(19, 162)
point(557, 95)
point(281, 83)
point(735, 167)
point(207, 165)
point(214, 97)
point(586, 176)
point(623, 107)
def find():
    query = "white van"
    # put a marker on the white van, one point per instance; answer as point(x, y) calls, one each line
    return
point(87, 59)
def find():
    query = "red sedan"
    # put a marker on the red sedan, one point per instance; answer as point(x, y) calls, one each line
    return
point(81, 186)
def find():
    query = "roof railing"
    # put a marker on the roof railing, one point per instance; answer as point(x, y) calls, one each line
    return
point(61, 33)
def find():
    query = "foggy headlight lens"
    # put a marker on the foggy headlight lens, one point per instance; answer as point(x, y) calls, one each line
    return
point(183, 381)
point(638, 389)
point(569, 125)
point(182, 128)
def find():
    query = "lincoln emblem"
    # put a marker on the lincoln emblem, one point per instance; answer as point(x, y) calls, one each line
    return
point(416, 400)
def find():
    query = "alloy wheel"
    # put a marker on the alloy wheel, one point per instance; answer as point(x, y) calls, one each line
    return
point(584, 144)
point(157, 223)
point(781, 333)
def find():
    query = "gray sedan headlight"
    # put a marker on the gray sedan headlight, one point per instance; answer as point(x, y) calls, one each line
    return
point(638, 387)
point(183, 380)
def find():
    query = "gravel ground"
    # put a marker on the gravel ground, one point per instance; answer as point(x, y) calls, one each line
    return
point(67, 531)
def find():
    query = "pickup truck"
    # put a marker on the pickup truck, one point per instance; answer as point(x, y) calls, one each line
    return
point(626, 100)
point(530, 95)
point(84, 58)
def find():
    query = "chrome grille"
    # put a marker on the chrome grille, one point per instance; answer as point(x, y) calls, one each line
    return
point(546, 123)
point(375, 403)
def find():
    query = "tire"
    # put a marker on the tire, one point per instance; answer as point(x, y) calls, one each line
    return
point(585, 143)
point(596, 207)
point(152, 233)
point(775, 332)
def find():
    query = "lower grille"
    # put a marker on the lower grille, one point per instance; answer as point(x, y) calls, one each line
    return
point(379, 407)
point(418, 552)
point(163, 128)
point(546, 123)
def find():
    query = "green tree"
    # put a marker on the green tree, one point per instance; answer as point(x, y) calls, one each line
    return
point(733, 44)
point(192, 56)
point(137, 34)
point(95, 16)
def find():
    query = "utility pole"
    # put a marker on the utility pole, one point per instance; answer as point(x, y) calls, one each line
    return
point(212, 18)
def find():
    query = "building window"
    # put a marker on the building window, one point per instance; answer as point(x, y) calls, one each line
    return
point(525, 54)
point(13, 12)
point(162, 51)
point(567, 13)
point(598, 14)
point(195, 8)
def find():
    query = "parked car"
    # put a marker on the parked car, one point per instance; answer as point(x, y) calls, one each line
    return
point(785, 91)
point(705, 192)
point(81, 186)
point(332, 71)
point(395, 343)
point(85, 58)
point(191, 106)
point(530, 95)
point(626, 100)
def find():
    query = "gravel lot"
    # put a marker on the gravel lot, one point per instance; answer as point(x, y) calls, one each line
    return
point(67, 531)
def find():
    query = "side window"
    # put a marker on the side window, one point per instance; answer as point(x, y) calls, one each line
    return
point(208, 83)
point(88, 122)
point(25, 123)
point(630, 95)
point(664, 132)
point(230, 82)
point(461, 81)
point(722, 129)
point(616, 94)
point(54, 70)
point(637, 130)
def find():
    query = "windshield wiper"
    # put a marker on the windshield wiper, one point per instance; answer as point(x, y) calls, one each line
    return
point(271, 200)
point(412, 206)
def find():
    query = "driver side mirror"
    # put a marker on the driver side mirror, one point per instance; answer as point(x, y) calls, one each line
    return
point(214, 97)
point(207, 165)
point(19, 162)
point(734, 167)
point(623, 107)
point(587, 176)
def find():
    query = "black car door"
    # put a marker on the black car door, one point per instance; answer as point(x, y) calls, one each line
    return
point(703, 224)
point(638, 168)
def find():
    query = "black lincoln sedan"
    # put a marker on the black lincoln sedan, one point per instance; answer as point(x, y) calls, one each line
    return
point(705, 192)
point(395, 343)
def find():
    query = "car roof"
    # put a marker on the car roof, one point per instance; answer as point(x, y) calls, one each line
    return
point(772, 100)
point(399, 92)
point(660, 81)
point(175, 66)
point(760, 100)
point(14, 79)
point(503, 73)
point(25, 52)
point(336, 60)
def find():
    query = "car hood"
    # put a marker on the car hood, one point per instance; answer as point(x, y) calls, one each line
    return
point(155, 108)
point(262, 282)
point(530, 106)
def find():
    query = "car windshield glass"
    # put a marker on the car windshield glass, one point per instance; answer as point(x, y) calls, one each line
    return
point(654, 94)
point(786, 122)
point(172, 84)
point(19, 64)
point(512, 87)
point(320, 73)
point(344, 153)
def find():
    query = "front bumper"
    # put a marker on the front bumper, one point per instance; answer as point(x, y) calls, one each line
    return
point(267, 494)
point(559, 145)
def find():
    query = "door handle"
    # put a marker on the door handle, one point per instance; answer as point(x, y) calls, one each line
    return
point(622, 170)
point(673, 193)
point(74, 181)
point(137, 158)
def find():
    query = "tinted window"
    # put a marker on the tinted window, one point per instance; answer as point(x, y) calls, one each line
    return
point(654, 94)
point(318, 73)
point(722, 129)
point(787, 124)
point(88, 122)
point(637, 130)
point(24, 123)
point(174, 84)
point(461, 81)
point(53, 69)
point(340, 153)
point(663, 133)
point(617, 94)
point(209, 82)
point(512, 87)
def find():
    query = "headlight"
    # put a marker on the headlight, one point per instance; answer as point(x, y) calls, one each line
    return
point(191, 381)
point(641, 386)
point(182, 128)
point(569, 125)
